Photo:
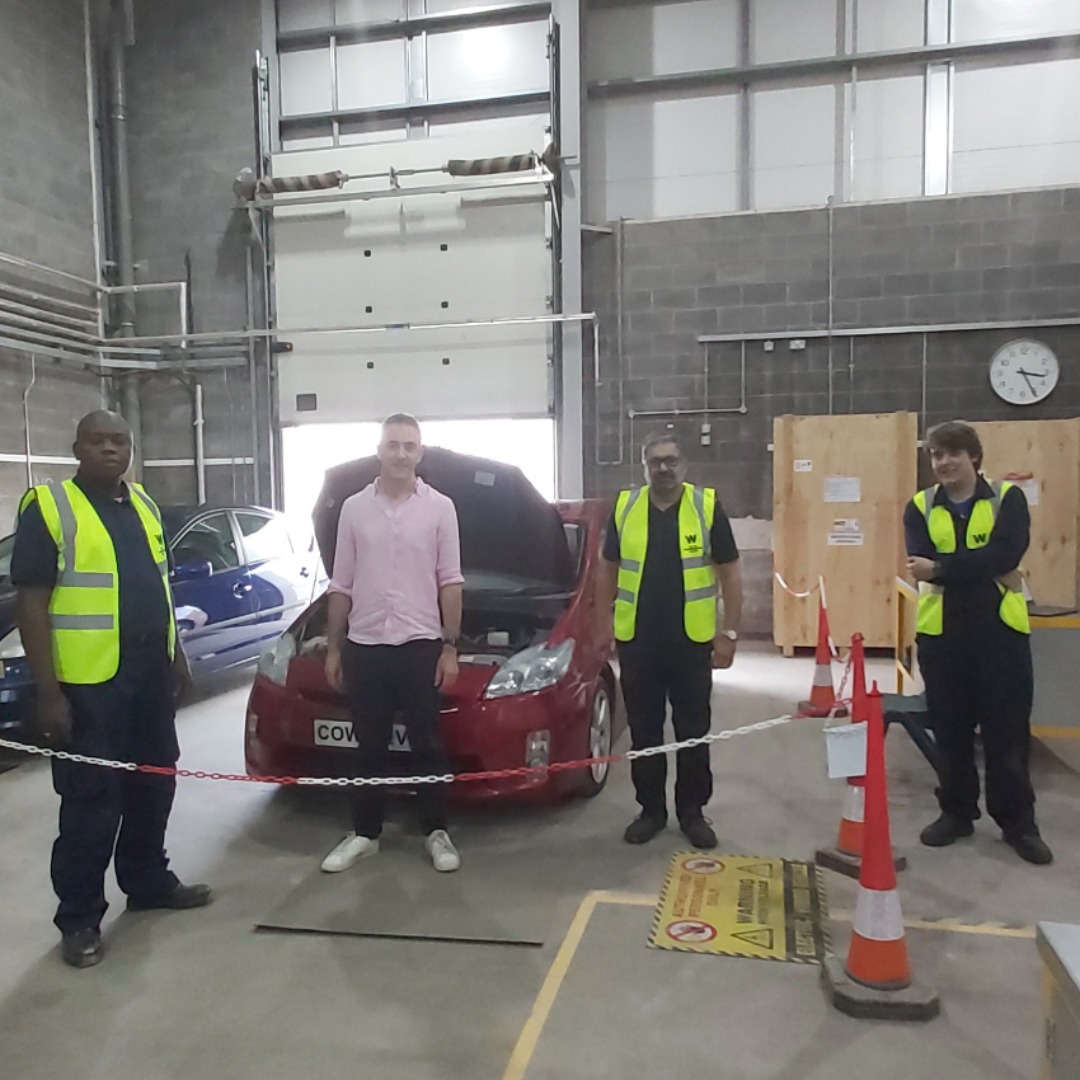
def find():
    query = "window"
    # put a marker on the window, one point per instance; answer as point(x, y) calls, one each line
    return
point(264, 537)
point(209, 540)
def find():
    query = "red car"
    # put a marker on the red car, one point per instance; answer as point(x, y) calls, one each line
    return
point(536, 684)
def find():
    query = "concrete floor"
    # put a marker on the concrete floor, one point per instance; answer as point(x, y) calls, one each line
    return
point(199, 994)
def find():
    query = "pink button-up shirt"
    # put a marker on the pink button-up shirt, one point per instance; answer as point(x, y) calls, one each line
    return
point(392, 557)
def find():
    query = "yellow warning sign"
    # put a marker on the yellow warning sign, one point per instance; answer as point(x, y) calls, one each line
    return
point(769, 909)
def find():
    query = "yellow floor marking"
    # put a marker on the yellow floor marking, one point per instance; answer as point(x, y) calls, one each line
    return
point(1056, 732)
point(525, 1047)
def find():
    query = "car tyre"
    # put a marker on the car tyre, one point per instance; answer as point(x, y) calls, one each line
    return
point(595, 777)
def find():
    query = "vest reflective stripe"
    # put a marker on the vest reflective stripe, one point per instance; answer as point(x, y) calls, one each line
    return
point(696, 511)
point(84, 609)
point(930, 617)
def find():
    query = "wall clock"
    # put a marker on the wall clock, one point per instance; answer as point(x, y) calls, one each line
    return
point(1024, 372)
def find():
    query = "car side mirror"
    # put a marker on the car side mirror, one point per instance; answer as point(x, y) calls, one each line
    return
point(192, 571)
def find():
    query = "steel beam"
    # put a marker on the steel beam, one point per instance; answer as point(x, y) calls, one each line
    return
point(390, 29)
point(887, 331)
point(1018, 50)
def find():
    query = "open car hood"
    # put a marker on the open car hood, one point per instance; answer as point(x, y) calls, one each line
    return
point(507, 527)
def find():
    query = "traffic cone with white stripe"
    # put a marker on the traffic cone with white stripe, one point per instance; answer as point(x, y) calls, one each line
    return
point(846, 856)
point(822, 701)
point(876, 981)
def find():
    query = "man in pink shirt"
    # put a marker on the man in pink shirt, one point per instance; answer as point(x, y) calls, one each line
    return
point(393, 626)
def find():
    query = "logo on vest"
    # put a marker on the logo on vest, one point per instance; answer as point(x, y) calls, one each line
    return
point(980, 538)
point(692, 542)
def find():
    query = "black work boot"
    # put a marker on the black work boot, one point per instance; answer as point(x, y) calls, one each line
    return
point(178, 898)
point(83, 948)
point(698, 830)
point(643, 829)
point(1030, 846)
point(945, 831)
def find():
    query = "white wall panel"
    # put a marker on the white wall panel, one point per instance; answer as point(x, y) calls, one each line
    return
point(305, 82)
point(481, 255)
point(665, 39)
point(367, 11)
point(890, 24)
point(1016, 126)
point(647, 159)
point(888, 139)
point(793, 146)
point(303, 14)
point(792, 29)
point(487, 61)
point(371, 73)
point(987, 20)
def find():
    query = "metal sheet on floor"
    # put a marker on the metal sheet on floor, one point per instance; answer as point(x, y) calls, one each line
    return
point(742, 905)
point(397, 894)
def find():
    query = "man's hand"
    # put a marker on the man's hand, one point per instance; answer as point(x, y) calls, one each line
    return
point(334, 674)
point(446, 670)
point(723, 652)
point(54, 718)
point(922, 569)
point(182, 682)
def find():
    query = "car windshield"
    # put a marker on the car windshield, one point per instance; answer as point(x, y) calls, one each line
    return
point(7, 545)
point(491, 583)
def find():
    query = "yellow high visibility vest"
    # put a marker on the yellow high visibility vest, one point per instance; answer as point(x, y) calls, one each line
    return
point(84, 609)
point(696, 511)
point(930, 617)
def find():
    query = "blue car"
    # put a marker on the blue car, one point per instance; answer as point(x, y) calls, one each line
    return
point(239, 579)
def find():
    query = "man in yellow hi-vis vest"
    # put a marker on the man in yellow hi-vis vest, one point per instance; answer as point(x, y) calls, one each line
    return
point(965, 539)
point(95, 614)
point(667, 545)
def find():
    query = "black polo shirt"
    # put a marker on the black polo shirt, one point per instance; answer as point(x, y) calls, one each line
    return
point(972, 597)
point(661, 600)
point(144, 611)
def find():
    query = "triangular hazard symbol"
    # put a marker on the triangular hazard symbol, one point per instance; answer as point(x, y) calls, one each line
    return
point(759, 869)
point(762, 938)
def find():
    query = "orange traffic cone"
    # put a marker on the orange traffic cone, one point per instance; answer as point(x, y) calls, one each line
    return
point(846, 856)
point(876, 980)
point(822, 695)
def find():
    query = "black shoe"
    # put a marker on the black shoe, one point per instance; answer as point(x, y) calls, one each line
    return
point(83, 948)
point(945, 831)
point(178, 898)
point(643, 829)
point(1031, 847)
point(699, 832)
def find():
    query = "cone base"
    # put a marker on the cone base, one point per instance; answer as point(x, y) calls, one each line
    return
point(914, 1002)
point(849, 865)
point(820, 712)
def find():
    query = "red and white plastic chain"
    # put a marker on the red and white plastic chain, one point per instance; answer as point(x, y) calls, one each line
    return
point(840, 699)
point(395, 781)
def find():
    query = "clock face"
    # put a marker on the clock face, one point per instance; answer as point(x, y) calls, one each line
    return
point(1023, 372)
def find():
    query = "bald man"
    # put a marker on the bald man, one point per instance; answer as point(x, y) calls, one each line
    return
point(95, 613)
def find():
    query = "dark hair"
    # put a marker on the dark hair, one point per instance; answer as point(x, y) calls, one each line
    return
point(402, 418)
point(658, 437)
point(955, 436)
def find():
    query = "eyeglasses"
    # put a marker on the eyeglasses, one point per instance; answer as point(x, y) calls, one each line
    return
point(655, 463)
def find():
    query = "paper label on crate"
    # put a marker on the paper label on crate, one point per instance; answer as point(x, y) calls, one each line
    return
point(843, 489)
point(804, 465)
point(846, 532)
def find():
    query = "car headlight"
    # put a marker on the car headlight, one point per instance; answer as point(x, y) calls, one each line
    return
point(11, 646)
point(275, 660)
point(532, 669)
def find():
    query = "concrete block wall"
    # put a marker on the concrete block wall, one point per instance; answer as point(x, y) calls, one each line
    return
point(192, 129)
point(968, 260)
point(46, 216)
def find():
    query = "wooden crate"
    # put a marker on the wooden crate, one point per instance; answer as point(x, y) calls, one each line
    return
point(857, 544)
point(1047, 451)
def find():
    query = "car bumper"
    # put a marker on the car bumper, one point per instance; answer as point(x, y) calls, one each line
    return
point(483, 736)
point(17, 698)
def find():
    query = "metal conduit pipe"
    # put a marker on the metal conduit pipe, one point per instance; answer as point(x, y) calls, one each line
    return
point(26, 423)
point(124, 228)
point(200, 445)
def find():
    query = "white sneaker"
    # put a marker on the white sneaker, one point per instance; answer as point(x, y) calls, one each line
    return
point(349, 851)
point(444, 856)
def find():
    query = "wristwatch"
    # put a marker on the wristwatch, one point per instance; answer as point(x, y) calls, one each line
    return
point(450, 641)
point(731, 635)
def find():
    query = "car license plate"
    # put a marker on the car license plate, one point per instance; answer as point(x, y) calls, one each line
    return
point(341, 733)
